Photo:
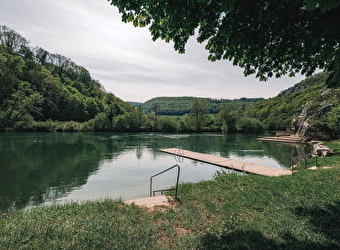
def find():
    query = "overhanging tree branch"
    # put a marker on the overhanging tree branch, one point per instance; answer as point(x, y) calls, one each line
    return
point(266, 38)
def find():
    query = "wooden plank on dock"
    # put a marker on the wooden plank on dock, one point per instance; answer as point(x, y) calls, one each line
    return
point(228, 163)
point(287, 139)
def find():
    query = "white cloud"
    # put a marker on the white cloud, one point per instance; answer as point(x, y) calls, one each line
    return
point(125, 59)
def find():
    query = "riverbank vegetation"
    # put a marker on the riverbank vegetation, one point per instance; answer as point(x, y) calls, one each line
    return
point(45, 92)
point(231, 211)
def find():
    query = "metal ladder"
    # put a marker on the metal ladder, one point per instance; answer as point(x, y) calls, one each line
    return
point(295, 160)
point(153, 192)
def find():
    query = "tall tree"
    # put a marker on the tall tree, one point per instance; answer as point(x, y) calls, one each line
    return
point(333, 121)
point(266, 38)
point(140, 116)
point(198, 113)
point(24, 101)
point(11, 39)
point(11, 67)
point(41, 55)
point(227, 118)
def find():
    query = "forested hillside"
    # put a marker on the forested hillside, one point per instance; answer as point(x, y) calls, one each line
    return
point(36, 86)
point(181, 105)
point(41, 91)
point(322, 107)
point(278, 112)
point(315, 80)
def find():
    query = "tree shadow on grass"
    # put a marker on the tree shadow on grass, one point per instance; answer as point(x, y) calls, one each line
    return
point(237, 241)
point(324, 221)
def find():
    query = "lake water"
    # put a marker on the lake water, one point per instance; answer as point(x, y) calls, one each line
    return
point(44, 168)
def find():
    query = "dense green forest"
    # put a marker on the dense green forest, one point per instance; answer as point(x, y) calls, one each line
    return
point(181, 105)
point(41, 91)
point(37, 86)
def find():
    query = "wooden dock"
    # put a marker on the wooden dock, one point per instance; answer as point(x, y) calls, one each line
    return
point(287, 139)
point(228, 163)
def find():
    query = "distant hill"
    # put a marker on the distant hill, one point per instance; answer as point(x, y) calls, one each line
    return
point(314, 80)
point(135, 104)
point(181, 105)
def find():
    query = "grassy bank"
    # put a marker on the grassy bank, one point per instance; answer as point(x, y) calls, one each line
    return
point(301, 211)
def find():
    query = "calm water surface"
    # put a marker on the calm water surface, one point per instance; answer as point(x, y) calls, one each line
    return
point(44, 168)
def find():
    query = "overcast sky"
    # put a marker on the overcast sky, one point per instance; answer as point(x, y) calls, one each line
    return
point(124, 58)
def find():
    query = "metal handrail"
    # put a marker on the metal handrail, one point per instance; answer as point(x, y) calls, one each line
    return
point(178, 154)
point(177, 181)
point(296, 159)
point(179, 151)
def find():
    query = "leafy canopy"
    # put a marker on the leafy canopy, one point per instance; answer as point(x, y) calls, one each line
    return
point(266, 38)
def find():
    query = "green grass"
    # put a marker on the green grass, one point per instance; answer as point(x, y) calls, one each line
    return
point(97, 225)
point(301, 211)
point(335, 145)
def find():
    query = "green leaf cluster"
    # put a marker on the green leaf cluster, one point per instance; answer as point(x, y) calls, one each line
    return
point(266, 38)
